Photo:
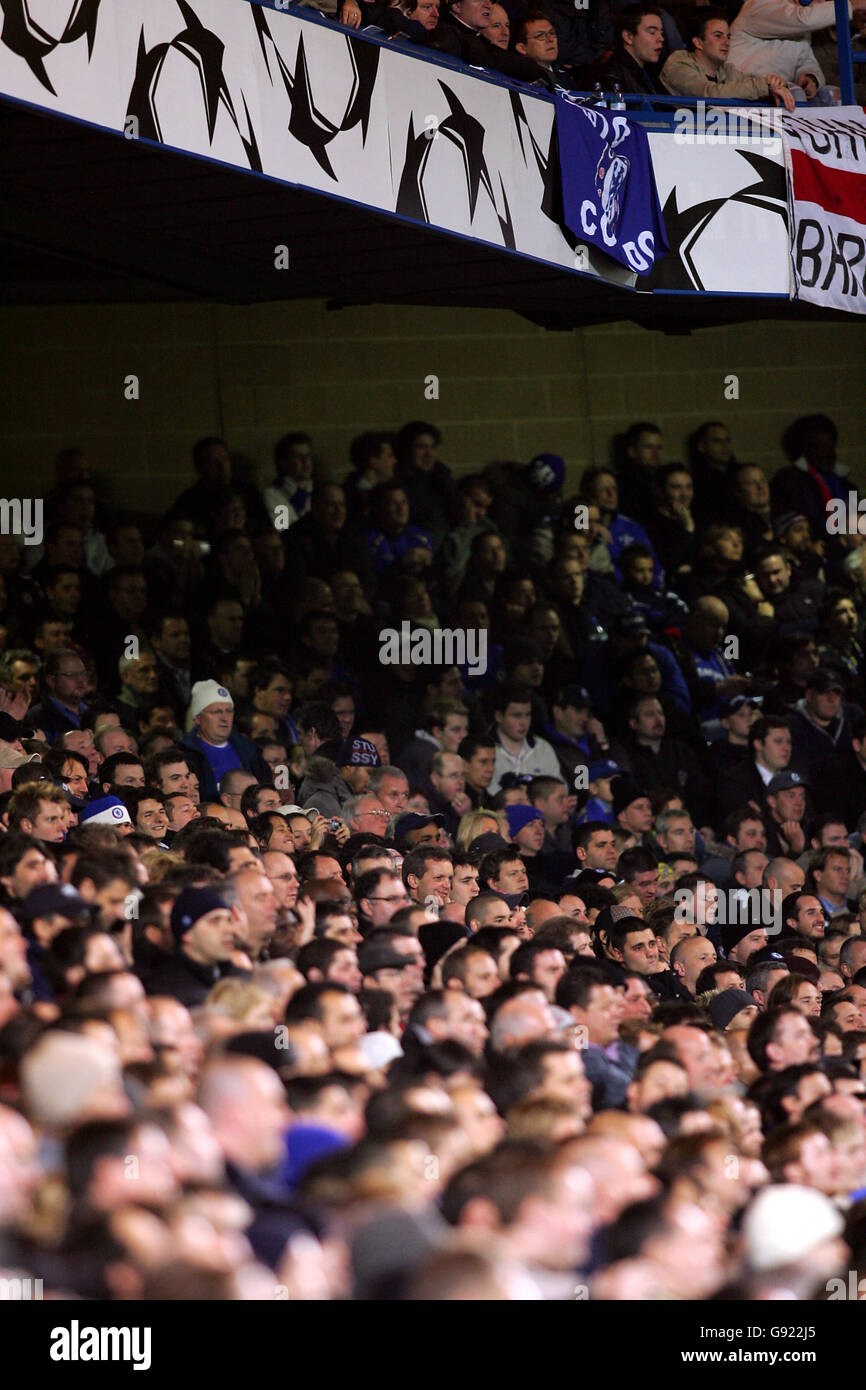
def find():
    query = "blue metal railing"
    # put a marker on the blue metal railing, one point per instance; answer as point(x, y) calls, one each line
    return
point(847, 56)
point(653, 110)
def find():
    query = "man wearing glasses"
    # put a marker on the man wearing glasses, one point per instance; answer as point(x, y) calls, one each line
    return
point(366, 815)
point(379, 893)
point(64, 684)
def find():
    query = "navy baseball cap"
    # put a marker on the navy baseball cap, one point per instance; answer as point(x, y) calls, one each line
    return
point(785, 782)
point(604, 768)
point(630, 625)
point(825, 679)
point(546, 472)
point(575, 695)
point(736, 702)
point(55, 900)
point(489, 842)
point(514, 779)
point(414, 820)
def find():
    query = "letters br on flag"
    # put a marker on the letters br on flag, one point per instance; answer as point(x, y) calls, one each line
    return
point(609, 195)
point(825, 159)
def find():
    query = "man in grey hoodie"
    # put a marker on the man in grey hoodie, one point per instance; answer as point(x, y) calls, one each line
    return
point(330, 781)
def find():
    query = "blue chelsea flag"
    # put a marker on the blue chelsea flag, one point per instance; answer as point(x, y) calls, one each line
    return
point(608, 187)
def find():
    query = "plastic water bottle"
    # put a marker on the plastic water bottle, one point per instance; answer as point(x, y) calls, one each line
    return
point(617, 101)
point(598, 95)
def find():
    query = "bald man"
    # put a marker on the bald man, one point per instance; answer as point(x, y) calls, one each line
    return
point(246, 1104)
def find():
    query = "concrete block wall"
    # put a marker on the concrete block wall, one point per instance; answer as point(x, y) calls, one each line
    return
point(506, 388)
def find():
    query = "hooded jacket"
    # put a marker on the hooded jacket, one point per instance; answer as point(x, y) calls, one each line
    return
point(323, 787)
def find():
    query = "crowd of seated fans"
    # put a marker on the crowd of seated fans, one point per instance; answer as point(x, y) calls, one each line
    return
point(436, 979)
point(760, 50)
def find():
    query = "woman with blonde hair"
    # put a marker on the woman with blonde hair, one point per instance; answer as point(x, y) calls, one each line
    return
point(481, 822)
point(245, 1003)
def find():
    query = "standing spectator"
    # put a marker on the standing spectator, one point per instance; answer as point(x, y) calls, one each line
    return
point(289, 496)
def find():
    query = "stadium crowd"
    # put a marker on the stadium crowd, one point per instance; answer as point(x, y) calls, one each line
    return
point(330, 973)
point(763, 51)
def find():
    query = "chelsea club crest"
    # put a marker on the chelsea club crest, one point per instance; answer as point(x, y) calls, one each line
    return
point(611, 175)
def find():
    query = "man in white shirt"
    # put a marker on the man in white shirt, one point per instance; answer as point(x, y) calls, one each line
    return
point(292, 489)
point(516, 751)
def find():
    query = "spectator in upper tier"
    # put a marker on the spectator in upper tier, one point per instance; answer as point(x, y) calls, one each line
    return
point(409, 21)
point(638, 456)
point(672, 527)
point(584, 35)
point(525, 497)
point(215, 471)
point(599, 487)
point(497, 30)
point(749, 506)
point(795, 605)
point(705, 71)
point(427, 482)
point(468, 19)
point(470, 520)
point(711, 454)
point(813, 476)
point(535, 37)
point(638, 42)
point(773, 36)
point(292, 488)
point(392, 538)
point(373, 462)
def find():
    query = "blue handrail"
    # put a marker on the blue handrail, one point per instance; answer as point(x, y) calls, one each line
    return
point(847, 56)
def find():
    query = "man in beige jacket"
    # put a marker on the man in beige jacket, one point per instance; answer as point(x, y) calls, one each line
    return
point(706, 72)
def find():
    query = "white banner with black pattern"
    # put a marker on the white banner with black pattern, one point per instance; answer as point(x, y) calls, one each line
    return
point(317, 106)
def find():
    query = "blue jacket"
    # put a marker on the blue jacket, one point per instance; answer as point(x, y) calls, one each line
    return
point(610, 1076)
point(55, 719)
point(624, 531)
point(597, 674)
point(384, 550)
point(250, 756)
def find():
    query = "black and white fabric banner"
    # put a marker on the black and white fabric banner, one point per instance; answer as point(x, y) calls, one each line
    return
point(317, 106)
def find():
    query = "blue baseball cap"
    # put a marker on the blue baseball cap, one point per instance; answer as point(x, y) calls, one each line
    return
point(547, 472)
point(413, 820)
point(605, 767)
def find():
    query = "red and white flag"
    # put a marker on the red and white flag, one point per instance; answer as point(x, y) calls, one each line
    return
point(825, 156)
